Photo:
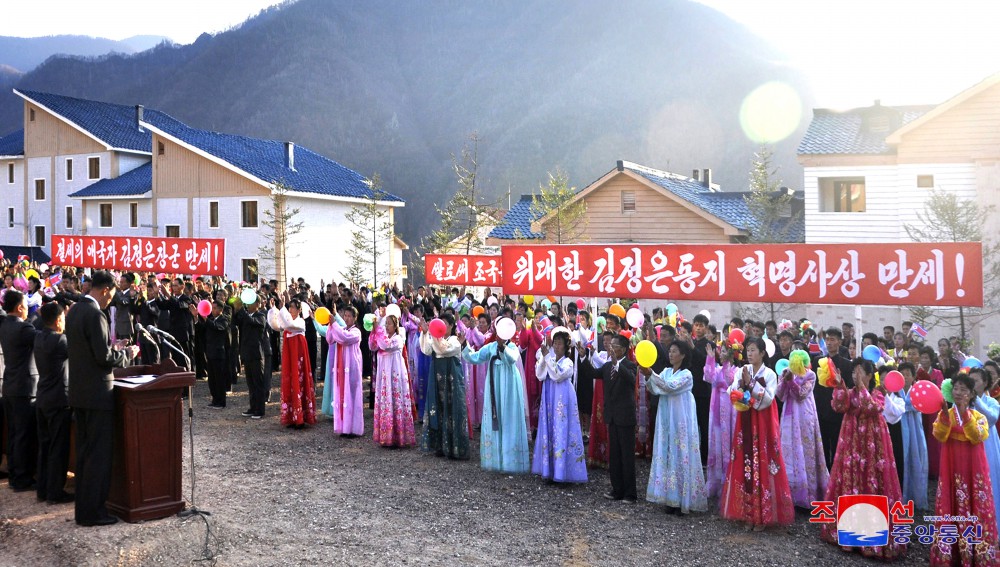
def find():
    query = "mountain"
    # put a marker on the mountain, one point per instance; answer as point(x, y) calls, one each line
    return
point(397, 87)
point(26, 53)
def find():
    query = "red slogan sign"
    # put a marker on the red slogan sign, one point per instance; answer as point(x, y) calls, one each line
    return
point(463, 270)
point(854, 274)
point(201, 256)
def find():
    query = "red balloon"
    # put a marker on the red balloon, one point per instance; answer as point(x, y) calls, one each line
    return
point(581, 304)
point(926, 397)
point(626, 334)
point(894, 381)
point(437, 328)
point(204, 308)
point(737, 336)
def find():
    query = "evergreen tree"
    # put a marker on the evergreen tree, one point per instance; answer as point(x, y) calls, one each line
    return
point(562, 219)
point(281, 220)
point(371, 237)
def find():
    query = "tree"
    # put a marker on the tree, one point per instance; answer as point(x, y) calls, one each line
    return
point(372, 235)
point(948, 218)
point(566, 220)
point(281, 220)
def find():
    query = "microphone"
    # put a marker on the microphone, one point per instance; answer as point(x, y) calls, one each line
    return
point(144, 331)
point(162, 333)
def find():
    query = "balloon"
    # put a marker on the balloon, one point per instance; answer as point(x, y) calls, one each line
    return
point(477, 311)
point(769, 347)
point(706, 314)
point(393, 309)
point(894, 381)
point(322, 316)
point(369, 321)
point(872, 353)
point(617, 310)
point(1, 254)
point(972, 362)
point(546, 304)
point(926, 397)
point(31, 273)
point(437, 328)
point(781, 366)
point(231, 301)
point(645, 354)
point(43, 267)
point(491, 300)
point(737, 336)
point(581, 304)
point(506, 328)
point(946, 390)
point(626, 334)
point(671, 309)
point(601, 323)
point(529, 299)
point(551, 298)
point(204, 308)
point(635, 318)
point(248, 296)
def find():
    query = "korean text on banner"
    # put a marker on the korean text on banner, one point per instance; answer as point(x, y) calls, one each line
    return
point(463, 270)
point(199, 256)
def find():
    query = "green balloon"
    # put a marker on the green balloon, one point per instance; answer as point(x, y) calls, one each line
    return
point(946, 391)
point(369, 321)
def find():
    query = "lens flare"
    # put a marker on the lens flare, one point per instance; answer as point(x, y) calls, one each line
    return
point(770, 113)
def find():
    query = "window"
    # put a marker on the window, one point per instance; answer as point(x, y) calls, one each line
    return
point(249, 270)
point(31, 114)
point(213, 215)
point(39, 189)
point(842, 195)
point(133, 215)
point(39, 236)
point(10, 173)
point(249, 214)
point(628, 201)
point(69, 217)
point(173, 231)
point(10, 217)
point(925, 181)
point(69, 169)
point(160, 150)
point(94, 167)
point(107, 210)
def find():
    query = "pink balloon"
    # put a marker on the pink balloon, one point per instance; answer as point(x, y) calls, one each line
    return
point(926, 397)
point(580, 304)
point(437, 328)
point(204, 308)
point(635, 318)
point(894, 381)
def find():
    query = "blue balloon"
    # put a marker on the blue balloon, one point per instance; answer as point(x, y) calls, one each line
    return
point(973, 362)
point(781, 366)
point(671, 309)
point(871, 353)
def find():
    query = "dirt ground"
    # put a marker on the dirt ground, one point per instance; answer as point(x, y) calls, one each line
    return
point(284, 497)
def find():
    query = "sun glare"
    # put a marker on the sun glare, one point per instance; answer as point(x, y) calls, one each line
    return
point(770, 113)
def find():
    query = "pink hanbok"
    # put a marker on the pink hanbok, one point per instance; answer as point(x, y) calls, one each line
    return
point(344, 376)
point(393, 419)
point(721, 425)
point(475, 378)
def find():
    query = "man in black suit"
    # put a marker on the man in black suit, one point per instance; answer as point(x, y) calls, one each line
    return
point(619, 415)
point(182, 311)
point(254, 341)
point(52, 405)
point(20, 381)
point(216, 335)
point(91, 360)
point(702, 390)
point(829, 420)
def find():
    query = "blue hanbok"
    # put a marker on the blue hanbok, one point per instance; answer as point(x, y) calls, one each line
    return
point(503, 437)
point(675, 474)
point(559, 452)
point(914, 456)
point(990, 408)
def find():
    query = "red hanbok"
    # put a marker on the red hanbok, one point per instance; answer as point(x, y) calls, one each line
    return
point(964, 489)
point(298, 398)
point(530, 340)
point(933, 445)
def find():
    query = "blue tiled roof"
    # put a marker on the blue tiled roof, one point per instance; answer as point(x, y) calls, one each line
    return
point(137, 182)
point(833, 132)
point(113, 124)
point(517, 222)
point(12, 144)
point(265, 159)
point(34, 253)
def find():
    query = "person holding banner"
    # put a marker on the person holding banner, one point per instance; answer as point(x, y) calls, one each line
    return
point(445, 423)
point(559, 450)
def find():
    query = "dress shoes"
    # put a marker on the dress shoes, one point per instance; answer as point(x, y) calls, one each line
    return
point(24, 488)
point(628, 500)
point(611, 496)
point(62, 498)
point(247, 413)
point(105, 521)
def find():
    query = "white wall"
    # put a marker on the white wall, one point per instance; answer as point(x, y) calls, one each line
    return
point(128, 162)
point(120, 217)
point(12, 195)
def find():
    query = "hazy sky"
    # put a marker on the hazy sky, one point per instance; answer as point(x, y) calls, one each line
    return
point(853, 51)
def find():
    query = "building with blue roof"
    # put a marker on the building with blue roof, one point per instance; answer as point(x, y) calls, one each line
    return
point(88, 167)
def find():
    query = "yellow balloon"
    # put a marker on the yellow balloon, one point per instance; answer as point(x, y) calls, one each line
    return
point(529, 299)
point(31, 273)
point(322, 316)
point(645, 354)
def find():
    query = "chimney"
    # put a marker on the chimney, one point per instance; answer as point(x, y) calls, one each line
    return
point(620, 165)
point(696, 175)
point(138, 117)
point(290, 155)
point(706, 178)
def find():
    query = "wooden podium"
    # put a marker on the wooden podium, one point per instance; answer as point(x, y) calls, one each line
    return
point(149, 418)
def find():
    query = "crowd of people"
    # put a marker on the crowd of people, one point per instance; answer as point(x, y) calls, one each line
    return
point(754, 418)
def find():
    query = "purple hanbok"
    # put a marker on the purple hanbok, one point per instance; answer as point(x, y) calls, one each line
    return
point(801, 442)
point(559, 451)
point(721, 424)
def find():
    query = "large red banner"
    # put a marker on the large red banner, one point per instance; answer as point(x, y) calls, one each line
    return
point(463, 270)
point(945, 274)
point(198, 256)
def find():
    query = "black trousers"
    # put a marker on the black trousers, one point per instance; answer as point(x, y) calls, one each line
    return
point(275, 347)
point(22, 440)
point(218, 380)
point(701, 406)
point(53, 451)
point(267, 374)
point(94, 444)
point(621, 460)
point(829, 430)
point(257, 386)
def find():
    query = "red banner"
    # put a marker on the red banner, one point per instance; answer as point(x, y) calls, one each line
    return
point(945, 274)
point(463, 270)
point(197, 256)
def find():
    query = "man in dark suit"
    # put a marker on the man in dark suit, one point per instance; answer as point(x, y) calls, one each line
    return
point(702, 390)
point(216, 335)
point(20, 381)
point(91, 360)
point(52, 404)
point(829, 420)
point(254, 341)
point(182, 310)
point(619, 415)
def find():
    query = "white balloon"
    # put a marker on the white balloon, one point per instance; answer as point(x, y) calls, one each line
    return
point(706, 314)
point(491, 300)
point(248, 296)
point(506, 328)
point(393, 309)
point(635, 318)
point(769, 347)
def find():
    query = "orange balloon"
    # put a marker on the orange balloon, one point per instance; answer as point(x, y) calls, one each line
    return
point(477, 311)
point(551, 298)
point(617, 310)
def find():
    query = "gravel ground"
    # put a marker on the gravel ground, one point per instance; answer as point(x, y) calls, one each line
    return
point(285, 497)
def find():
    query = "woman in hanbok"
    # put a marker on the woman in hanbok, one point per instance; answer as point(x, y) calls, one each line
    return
point(864, 463)
point(475, 374)
point(756, 489)
point(926, 370)
point(675, 475)
point(446, 430)
point(411, 323)
point(344, 376)
point(503, 437)
point(801, 443)
point(393, 417)
point(559, 451)
point(964, 488)
point(298, 399)
point(530, 340)
point(990, 409)
point(914, 445)
point(722, 415)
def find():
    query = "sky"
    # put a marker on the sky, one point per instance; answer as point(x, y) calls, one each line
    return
point(852, 51)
